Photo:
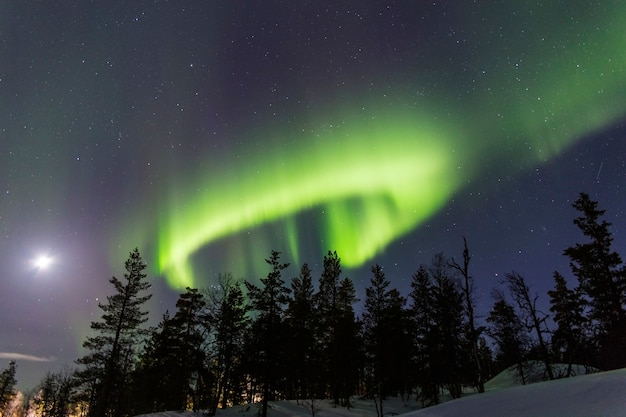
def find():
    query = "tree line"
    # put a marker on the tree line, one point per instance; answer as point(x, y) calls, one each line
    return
point(245, 342)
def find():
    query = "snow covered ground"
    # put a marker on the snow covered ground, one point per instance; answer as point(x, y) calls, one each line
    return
point(596, 395)
point(602, 394)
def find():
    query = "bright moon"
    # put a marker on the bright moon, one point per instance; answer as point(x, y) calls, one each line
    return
point(42, 261)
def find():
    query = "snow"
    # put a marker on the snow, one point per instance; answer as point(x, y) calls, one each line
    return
point(534, 373)
point(597, 395)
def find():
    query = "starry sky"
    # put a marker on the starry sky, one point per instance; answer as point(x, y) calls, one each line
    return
point(209, 133)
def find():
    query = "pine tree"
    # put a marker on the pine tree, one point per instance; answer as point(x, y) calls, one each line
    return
point(301, 319)
point(440, 348)
point(602, 278)
point(508, 331)
point(170, 372)
point(154, 387)
point(227, 315)
point(337, 330)
point(452, 351)
point(348, 347)
point(7, 385)
point(385, 327)
point(56, 394)
point(269, 303)
point(422, 312)
point(442, 353)
point(569, 337)
point(190, 327)
point(326, 300)
point(112, 350)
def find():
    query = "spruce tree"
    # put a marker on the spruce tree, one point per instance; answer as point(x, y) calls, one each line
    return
point(190, 326)
point(171, 372)
point(507, 329)
point(348, 347)
point(385, 330)
point(452, 350)
point(301, 319)
point(441, 351)
point(228, 318)
point(154, 386)
point(326, 300)
point(422, 312)
point(112, 350)
point(569, 338)
point(269, 302)
point(337, 330)
point(602, 278)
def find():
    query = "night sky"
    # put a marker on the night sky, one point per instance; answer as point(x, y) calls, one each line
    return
point(207, 133)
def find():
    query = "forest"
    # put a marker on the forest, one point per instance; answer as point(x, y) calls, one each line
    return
point(239, 342)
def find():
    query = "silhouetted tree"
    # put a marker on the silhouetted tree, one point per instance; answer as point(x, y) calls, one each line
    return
point(155, 386)
point(337, 330)
point(301, 319)
point(486, 359)
point(348, 347)
point(452, 353)
point(269, 303)
point(7, 385)
point(424, 336)
point(111, 352)
point(190, 326)
point(602, 278)
point(569, 339)
point(442, 354)
point(386, 340)
point(473, 332)
point(56, 394)
point(533, 319)
point(508, 331)
point(327, 305)
point(227, 315)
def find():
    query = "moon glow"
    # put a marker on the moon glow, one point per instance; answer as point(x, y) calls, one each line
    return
point(42, 262)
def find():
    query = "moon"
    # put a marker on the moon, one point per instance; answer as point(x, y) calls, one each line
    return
point(42, 261)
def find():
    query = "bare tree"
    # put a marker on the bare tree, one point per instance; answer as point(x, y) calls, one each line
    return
point(313, 405)
point(533, 318)
point(467, 288)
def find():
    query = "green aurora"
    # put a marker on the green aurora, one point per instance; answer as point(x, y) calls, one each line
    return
point(373, 193)
point(373, 176)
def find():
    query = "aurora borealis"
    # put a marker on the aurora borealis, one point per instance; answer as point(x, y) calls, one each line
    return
point(379, 175)
point(209, 134)
point(369, 195)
